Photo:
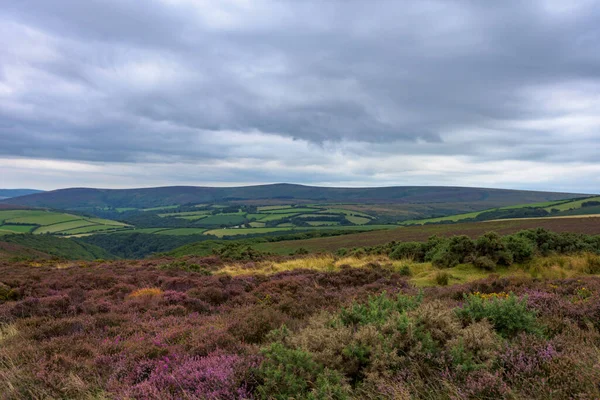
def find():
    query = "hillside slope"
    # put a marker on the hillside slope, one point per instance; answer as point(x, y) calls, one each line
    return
point(41, 246)
point(8, 193)
point(74, 198)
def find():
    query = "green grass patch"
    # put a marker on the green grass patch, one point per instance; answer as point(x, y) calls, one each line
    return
point(93, 228)
point(271, 208)
point(571, 204)
point(223, 219)
point(276, 217)
point(160, 208)
point(106, 222)
point(345, 212)
point(358, 220)
point(35, 217)
point(184, 214)
point(244, 231)
point(65, 226)
point(180, 231)
point(295, 210)
point(17, 228)
point(322, 223)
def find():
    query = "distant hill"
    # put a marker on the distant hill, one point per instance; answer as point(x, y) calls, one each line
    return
point(46, 246)
point(77, 198)
point(9, 193)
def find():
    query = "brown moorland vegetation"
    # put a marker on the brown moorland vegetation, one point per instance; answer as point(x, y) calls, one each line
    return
point(588, 225)
point(313, 327)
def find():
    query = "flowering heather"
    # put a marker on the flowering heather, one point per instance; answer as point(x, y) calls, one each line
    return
point(137, 330)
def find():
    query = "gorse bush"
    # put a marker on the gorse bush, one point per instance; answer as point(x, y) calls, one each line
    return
point(491, 249)
point(509, 315)
point(377, 309)
point(290, 373)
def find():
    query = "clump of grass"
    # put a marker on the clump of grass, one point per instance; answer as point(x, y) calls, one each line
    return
point(146, 292)
point(442, 278)
point(7, 331)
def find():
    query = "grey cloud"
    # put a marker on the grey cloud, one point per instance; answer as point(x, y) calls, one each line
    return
point(125, 81)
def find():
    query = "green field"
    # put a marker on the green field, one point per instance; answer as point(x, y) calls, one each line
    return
point(6, 229)
point(271, 208)
point(180, 231)
point(44, 222)
point(295, 210)
point(223, 219)
point(276, 217)
point(160, 208)
point(571, 205)
point(358, 220)
point(346, 212)
point(184, 214)
point(322, 223)
point(247, 231)
point(64, 226)
point(36, 217)
point(93, 229)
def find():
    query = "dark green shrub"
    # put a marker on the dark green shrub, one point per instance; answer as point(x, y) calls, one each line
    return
point(483, 262)
point(462, 246)
point(444, 258)
point(341, 252)
point(490, 245)
point(289, 373)
point(521, 248)
point(410, 250)
point(509, 315)
point(378, 309)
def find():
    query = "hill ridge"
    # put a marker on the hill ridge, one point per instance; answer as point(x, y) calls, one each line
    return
point(72, 198)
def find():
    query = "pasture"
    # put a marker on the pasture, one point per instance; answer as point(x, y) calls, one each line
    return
point(51, 222)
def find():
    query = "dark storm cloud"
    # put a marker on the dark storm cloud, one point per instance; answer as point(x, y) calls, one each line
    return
point(182, 81)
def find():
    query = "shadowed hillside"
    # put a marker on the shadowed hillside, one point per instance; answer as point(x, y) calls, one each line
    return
point(161, 196)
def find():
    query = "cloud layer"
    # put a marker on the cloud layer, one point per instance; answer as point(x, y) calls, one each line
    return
point(118, 93)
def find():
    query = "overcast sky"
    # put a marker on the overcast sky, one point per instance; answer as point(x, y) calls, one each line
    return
point(129, 93)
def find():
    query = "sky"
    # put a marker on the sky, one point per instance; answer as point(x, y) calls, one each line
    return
point(124, 93)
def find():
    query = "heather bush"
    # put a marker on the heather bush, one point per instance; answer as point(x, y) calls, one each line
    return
point(185, 266)
point(357, 332)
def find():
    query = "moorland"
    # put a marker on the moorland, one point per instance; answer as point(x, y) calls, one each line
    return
point(493, 294)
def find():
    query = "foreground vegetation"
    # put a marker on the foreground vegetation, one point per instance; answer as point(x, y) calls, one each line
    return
point(396, 321)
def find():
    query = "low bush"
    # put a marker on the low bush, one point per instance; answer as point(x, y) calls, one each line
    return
point(509, 315)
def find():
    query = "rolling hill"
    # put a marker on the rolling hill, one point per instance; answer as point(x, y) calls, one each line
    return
point(46, 246)
point(8, 193)
point(82, 198)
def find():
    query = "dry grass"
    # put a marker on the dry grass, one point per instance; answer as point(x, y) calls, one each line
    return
point(425, 274)
point(315, 263)
point(146, 292)
point(7, 331)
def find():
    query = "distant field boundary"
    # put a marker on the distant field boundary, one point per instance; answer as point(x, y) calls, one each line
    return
point(589, 225)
